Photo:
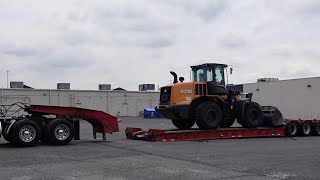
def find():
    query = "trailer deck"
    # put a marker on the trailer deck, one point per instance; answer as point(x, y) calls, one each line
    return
point(292, 128)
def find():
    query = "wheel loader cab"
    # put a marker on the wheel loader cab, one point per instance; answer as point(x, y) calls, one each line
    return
point(213, 75)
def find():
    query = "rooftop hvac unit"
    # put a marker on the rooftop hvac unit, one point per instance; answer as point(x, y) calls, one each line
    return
point(63, 85)
point(146, 87)
point(267, 79)
point(16, 84)
point(104, 87)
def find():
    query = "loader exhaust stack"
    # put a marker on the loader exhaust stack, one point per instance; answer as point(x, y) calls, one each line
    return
point(175, 77)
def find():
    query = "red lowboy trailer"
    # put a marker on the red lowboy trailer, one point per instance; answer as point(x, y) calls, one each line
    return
point(53, 124)
point(290, 129)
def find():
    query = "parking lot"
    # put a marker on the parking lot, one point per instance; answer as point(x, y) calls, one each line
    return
point(121, 158)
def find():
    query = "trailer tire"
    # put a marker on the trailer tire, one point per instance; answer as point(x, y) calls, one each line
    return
point(305, 129)
point(208, 115)
point(25, 133)
point(316, 129)
point(253, 115)
point(183, 124)
point(59, 132)
point(292, 129)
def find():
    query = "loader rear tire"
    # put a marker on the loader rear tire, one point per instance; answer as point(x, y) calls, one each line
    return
point(208, 115)
point(183, 124)
point(238, 110)
point(316, 129)
point(292, 129)
point(253, 115)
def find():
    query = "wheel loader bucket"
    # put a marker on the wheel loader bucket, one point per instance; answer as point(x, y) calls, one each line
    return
point(272, 116)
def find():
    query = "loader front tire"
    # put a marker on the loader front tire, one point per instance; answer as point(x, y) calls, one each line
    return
point(183, 124)
point(226, 123)
point(208, 115)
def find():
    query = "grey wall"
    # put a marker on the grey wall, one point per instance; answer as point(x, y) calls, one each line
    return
point(117, 103)
point(293, 97)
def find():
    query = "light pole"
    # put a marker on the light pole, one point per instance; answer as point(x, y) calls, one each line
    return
point(7, 77)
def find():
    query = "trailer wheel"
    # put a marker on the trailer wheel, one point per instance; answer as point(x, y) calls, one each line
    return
point(292, 129)
point(25, 133)
point(305, 129)
point(208, 115)
point(316, 129)
point(59, 132)
point(183, 124)
point(253, 115)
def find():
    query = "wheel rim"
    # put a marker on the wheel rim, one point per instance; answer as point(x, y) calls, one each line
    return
point(292, 129)
point(62, 132)
point(27, 133)
point(212, 116)
point(306, 129)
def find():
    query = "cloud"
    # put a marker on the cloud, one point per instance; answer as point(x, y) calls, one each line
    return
point(233, 41)
point(127, 43)
point(206, 10)
point(159, 43)
point(19, 51)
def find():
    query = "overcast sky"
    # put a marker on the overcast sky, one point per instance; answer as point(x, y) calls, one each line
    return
point(126, 43)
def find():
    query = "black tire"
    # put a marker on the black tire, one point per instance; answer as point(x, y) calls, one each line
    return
point(292, 129)
point(59, 132)
point(238, 111)
point(253, 115)
point(316, 129)
point(183, 124)
point(25, 133)
point(226, 123)
point(305, 129)
point(44, 139)
point(208, 115)
point(7, 137)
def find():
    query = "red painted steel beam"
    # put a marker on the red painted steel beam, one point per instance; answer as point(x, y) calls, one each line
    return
point(108, 122)
point(191, 135)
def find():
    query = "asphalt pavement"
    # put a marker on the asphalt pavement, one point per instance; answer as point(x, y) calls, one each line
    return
point(120, 158)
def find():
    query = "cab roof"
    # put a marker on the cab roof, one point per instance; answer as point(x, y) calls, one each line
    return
point(208, 65)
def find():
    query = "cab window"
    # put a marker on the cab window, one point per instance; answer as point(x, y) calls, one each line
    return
point(202, 74)
point(219, 75)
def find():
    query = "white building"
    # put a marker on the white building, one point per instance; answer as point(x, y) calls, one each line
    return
point(296, 98)
point(117, 103)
